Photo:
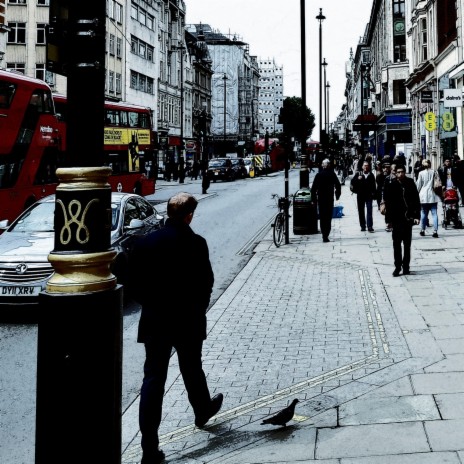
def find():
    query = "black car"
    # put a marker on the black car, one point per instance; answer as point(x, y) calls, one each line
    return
point(238, 165)
point(221, 169)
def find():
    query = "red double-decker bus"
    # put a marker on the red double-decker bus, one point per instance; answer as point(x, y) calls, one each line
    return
point(129, 143)
point(33, 143)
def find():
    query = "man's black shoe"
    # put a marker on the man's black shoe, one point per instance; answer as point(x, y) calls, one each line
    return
point(214, 407)
point(406, 272)
point(396, 273)
point(363, 229)
point(158, 458)
point(326, 239)
point(370, 229)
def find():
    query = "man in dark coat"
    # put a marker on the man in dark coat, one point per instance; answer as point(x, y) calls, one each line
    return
point(324, 186)
point(174, 261)
point(403, 210)
point(363, 184)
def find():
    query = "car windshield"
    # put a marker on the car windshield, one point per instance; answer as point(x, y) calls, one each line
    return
point(115, 212)
point(38, 219)
point(235, 162)
point(217, 163)
point(247, 161)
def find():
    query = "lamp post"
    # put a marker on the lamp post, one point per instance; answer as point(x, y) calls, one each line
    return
point(320, 17)
point(181, 48)
point(304, 174)
point(324, 86)
point(225, 78)
point(327, 120)
point(79, 363)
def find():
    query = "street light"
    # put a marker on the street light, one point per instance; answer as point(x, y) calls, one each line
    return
point(324, 65)
point(320, 17)
point(304, 174)
point(327, 109)
point(181, 48)
point(225, 78)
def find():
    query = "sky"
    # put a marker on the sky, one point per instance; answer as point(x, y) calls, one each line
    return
point(272, 30)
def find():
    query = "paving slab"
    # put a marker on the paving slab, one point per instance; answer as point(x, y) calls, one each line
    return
point(389, 409)
point(419, 458)
point(446, 435)
point(451, 405)
point(371, 440)
point(433, 383)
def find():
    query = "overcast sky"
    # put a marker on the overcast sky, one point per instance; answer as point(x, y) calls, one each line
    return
point(272, 30)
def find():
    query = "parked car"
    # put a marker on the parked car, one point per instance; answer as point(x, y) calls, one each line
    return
point(221, 169)
point(27, 242)
point(238, 165)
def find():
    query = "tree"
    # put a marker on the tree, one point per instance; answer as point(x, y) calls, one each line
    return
point(296, 122)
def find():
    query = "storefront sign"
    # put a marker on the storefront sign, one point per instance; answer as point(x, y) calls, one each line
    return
point(427, 96)
point(430, 121)
point(452, 98)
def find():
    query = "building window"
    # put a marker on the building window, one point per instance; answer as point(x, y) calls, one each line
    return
point(399, 92)
point(41, 39)
point(111, 45)
point(43, 2)
point(423, 39)
point(119, 47)
point(17, 2)
point(118, 12)
point(17, 33)
point(20, 67)
point(118, 83)
point(142, 49)
point(111, 81)
point(40, 71)
point(142, 82)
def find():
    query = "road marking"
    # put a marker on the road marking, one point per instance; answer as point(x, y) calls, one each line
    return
point(246, 249)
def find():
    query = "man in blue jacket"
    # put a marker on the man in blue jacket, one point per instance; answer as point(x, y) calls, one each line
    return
point(180, 270)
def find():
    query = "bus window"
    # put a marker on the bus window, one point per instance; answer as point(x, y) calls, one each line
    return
point(7, 91)
point(133, 119)
point(46, 173)
point(124, 121)
point(144, 121)
point(112, 117)
point(9, 172)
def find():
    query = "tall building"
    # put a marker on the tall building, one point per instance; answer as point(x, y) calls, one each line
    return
point(271, 100)
point(234, 90)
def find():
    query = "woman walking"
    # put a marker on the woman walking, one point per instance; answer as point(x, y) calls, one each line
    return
point(428, 197)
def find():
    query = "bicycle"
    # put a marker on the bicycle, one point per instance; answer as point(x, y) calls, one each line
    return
point(278, 226)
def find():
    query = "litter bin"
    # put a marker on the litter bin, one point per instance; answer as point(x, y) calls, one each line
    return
point(304, 213)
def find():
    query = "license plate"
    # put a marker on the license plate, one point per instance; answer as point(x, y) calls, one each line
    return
point(216, 173)
point(20, 291)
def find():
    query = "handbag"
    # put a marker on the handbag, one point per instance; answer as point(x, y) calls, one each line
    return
point(383, 208)
point(437, 185)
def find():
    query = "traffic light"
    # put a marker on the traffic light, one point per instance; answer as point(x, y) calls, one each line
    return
point(57, 33)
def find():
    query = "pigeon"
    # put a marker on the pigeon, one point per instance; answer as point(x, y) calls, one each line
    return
point(282, 417)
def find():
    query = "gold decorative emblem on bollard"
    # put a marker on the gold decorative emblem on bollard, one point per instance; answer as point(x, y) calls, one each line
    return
point(75, 220)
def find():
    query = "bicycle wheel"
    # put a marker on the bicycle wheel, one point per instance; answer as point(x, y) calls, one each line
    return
point(278, 232)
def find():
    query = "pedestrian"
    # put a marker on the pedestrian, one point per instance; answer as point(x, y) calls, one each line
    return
point(403, 207)
point(195, 170)
point(428, 198)
point(205, 179)
point(459, 167)
point(448, 175)
point(379, 180)
point(324, 186)
point(417, 167)
point(390, 176)
point(363, 185)
point(177, 320)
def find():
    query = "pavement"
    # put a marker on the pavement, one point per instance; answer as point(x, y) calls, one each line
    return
point(377, 362)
